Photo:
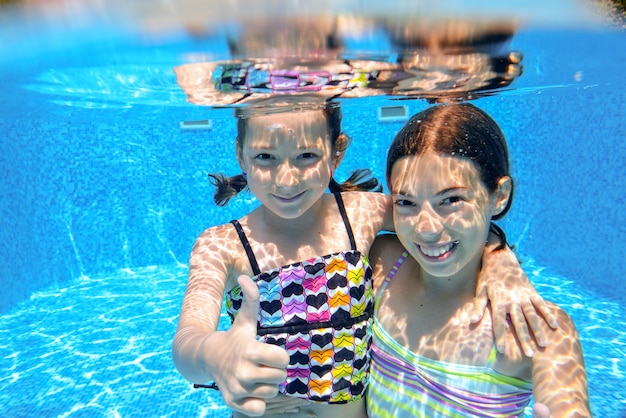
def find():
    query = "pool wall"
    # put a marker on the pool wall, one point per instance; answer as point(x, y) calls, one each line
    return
point(86, 191)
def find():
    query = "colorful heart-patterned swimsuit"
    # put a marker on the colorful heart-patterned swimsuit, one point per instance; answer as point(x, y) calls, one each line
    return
point(319, 310)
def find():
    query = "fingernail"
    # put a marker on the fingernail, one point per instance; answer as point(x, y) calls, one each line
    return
point(474, 318)
point(501, 348)
point(530, 353)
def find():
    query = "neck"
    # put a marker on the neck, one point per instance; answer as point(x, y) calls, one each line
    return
point(463, 282)
point(307, 220)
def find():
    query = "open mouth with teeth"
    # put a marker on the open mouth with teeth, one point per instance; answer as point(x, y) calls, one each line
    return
point(438, 253)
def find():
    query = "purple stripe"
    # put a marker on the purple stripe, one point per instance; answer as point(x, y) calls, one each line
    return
point(455, 399)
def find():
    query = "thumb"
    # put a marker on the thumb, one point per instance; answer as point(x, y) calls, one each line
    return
point(249, 311)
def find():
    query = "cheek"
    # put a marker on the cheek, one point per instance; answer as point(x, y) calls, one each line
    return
point(313, 172)
point(472, 218)
point(472, 226)
point(318, 173)
point(258, 175)
point(405, 229)
point(460, 220)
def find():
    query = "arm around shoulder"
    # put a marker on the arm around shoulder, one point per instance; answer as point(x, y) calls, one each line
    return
point(559, 376)
point(504, 283)
point(373, 208)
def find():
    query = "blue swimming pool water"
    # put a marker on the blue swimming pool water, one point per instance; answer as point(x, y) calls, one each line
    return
point(103, 195)
point(100, 347)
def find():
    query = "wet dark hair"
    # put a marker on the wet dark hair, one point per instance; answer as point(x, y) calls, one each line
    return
point(460, 130)
point(360, 180)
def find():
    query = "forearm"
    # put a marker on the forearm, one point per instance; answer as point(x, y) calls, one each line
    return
point(188, 353)
point(247, 371)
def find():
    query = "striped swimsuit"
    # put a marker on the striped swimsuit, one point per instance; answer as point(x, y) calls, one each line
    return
point(319, 310)
point(404, 384)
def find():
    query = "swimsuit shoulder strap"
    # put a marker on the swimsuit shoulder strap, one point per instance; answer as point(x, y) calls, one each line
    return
point(391, 274)
point(247, 247)
point(252, 259)
point(346, 221)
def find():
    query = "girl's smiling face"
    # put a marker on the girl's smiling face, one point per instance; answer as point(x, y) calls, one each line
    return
point(441, 212)
point(288, 160)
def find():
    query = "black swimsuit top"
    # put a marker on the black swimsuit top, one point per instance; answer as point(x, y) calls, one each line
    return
point(319, 311)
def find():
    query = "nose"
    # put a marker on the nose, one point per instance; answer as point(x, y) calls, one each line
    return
point(428, 223)
point(286, 175)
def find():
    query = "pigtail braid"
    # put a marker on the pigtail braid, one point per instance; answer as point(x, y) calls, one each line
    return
point(227, 187)
point(361, 180)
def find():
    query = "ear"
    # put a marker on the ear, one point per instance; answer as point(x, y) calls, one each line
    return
point(240, 160)
point(241, 163)
point(502, 195)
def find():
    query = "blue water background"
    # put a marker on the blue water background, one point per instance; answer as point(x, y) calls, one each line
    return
point(103, 195)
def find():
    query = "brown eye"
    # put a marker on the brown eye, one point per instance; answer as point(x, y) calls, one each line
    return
point(263, 157)
point(307, 156)
point(452, 200)
point(403, 202)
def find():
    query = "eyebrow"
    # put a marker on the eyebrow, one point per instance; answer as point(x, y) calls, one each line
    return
point(400, 193)
point(262, 148)
point(440, 193)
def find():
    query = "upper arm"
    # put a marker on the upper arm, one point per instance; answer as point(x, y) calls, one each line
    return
point(210, 265)
point(559, 376)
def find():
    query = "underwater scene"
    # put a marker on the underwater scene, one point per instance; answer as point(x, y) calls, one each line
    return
point(112, 115)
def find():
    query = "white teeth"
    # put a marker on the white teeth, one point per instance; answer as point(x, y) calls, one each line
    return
point(436, 252)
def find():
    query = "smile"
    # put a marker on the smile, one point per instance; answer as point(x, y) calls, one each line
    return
point(438, 253)
point(289, 199)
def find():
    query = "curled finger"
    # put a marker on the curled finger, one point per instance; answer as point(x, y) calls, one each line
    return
point(253, 407)
point(270, 356)
point(284, 404)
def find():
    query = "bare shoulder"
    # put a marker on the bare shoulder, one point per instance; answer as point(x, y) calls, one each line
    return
point(559, 376)
point(216, 253)
point(213, 268)
point(563, 343)
point(218, 237)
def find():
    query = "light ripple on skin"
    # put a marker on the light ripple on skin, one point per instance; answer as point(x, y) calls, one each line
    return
point(102, 346)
